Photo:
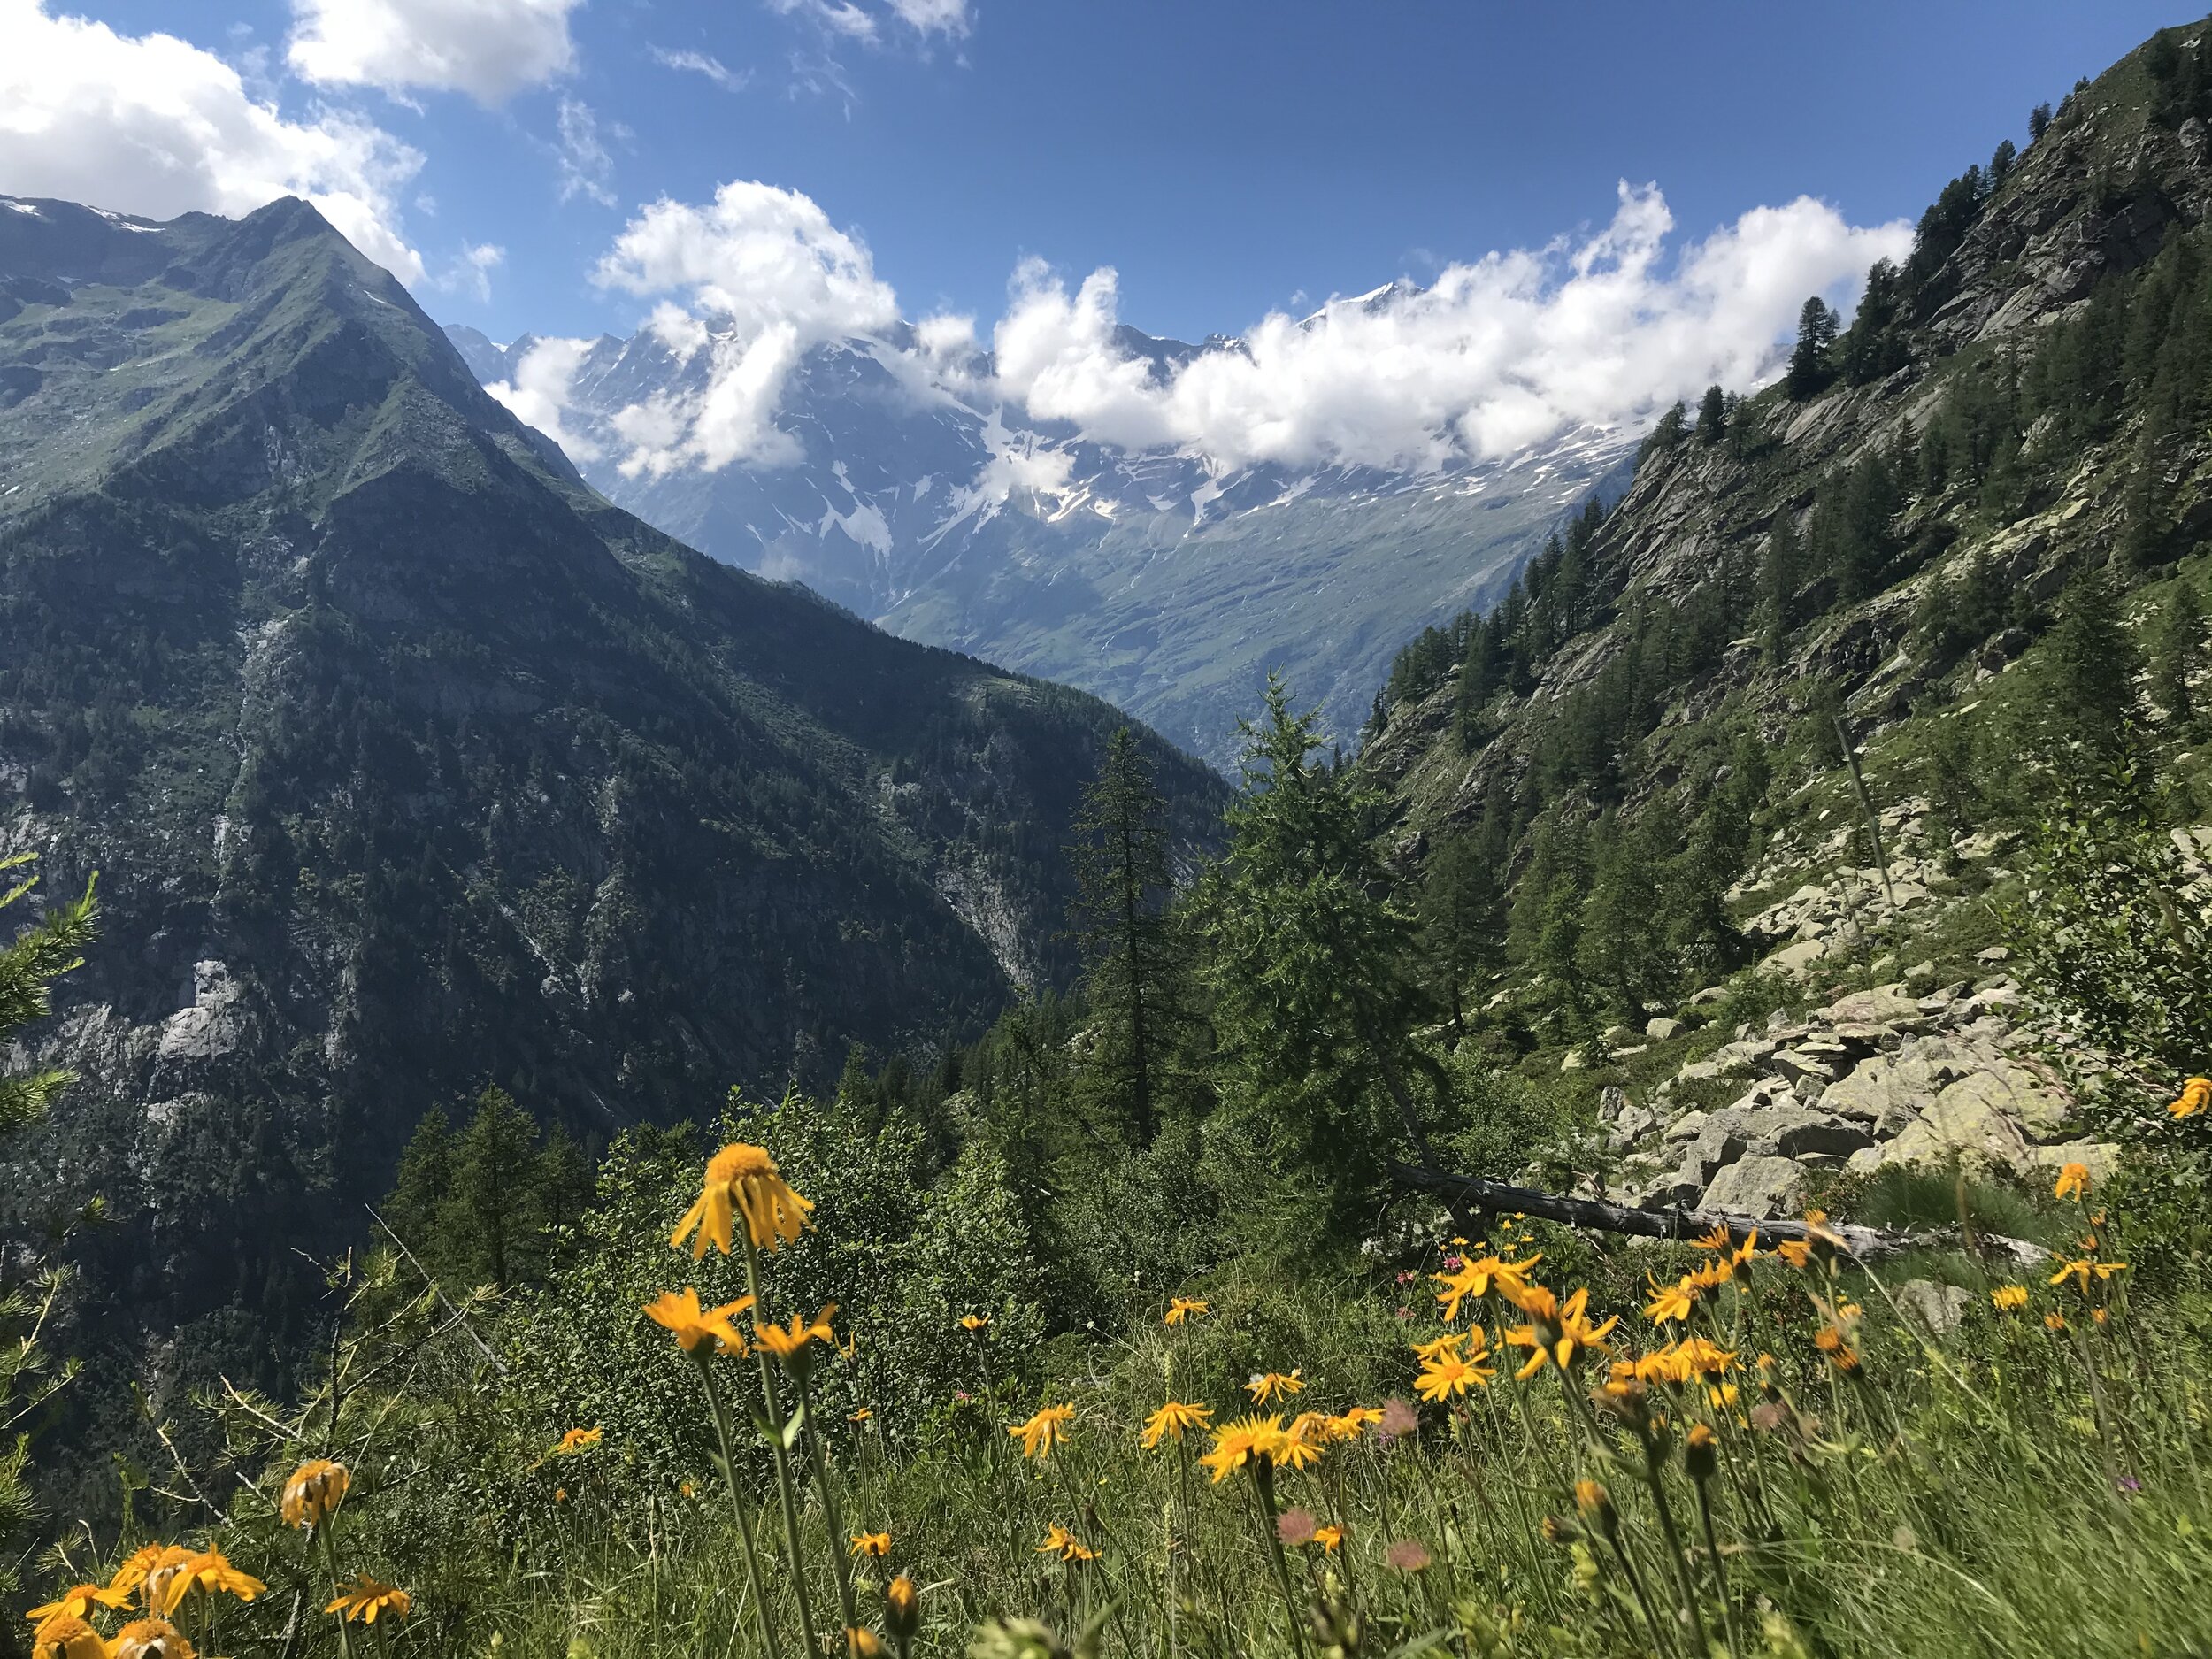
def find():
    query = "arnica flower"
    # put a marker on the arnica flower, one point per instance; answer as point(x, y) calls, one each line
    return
point(67, 1636)
point(2008, 1298)
point(1556, 1332)
point(1796, 1252)
point(2073, 1182)
point(874, 1545)
point(742, 1180)
point(207, 1569)
point(1267, 1386)
point(78, 1601)
point(1061, 1542)
point(1408, 1554)
point(1170, 1421)
point(1044, 1431)
point(861, 1416)
point(151, 1638)
point(1477, 1278)
point(577, 1440)
point(1670, 1302)
point(1329, 1537)
point(862, 1643)
point(2081, 1269)
point(1185, 1308)
point(2054, 1322)
point(314, 1491)
point(1303, 1442)
point(792, 1344)
point(1450, 1342)
point(1831, 1340)
point(1700, 1453)
point(975, 1324)
point(1349, 1424)
point(1450, 1375)
point(1245, 1440)
point(902, 1608)
point(367, 1599)
point(694, 1325)
point(2195, 1101)
point(1596, 1505)
point(159, 1579)
point(1718, 1239)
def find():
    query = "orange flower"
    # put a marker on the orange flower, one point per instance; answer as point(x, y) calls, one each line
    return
point(2196, 1099)
point(1328, 1537)
point(367, 1599)
point(1477, 1278)
point(1172, 1419)
point(1061, 1542)
point(1557, 1331)
point(1044, 1431)
point(78, 1602)
point(2073, 1182)
point(577, 1440)
point(790, 1343)
point(1186, 1308)
point(1670, 1301)
point(315, 1490)
point(975, 1324)
point(1274, 1384)
point(874, 1545)
point(742, 1179)
point(694, 1325)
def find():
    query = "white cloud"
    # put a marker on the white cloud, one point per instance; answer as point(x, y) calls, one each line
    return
point(751, 279)
point(932, 16)
point(488, 49)
point(471, 270)
point(702, 63)
point(540, 391)
point(586, 167)
point(1493, 356)
point(835, 17)
point(152, 125)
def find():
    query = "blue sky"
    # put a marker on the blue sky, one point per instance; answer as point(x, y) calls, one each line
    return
point(1224, 157)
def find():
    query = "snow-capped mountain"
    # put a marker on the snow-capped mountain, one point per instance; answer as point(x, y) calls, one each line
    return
point(1155, 579)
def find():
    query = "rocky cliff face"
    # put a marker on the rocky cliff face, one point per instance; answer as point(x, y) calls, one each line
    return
point(409, 764)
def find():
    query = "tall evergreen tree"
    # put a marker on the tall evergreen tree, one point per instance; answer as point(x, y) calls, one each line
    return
point(2093, 669)
point(1781, 567)
point(1307, 961)
point(1816, 327)
point(2178, 648)
point(1462, 915)
point(479, 1206)
point(1124, 878)
point(1712, 416)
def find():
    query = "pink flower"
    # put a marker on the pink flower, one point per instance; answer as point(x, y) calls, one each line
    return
point(1408, 1554)
point(1405, 1313)
point(1406, 1276)
point(1295, 1526)
point(1452, 1264)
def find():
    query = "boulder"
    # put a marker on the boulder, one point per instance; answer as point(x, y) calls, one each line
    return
point(1884, 1005)
point(1758, 1186)
point(1820, 1058)
point(1612, 1101)
point(1940, 1308)
point(1796, 959)
point(1966, 1122)
point(2101, 1158)
point(1662, 1029)
point(1687, 1127)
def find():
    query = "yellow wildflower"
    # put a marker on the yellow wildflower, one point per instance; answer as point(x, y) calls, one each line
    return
point(1303, 1442)
point(1668, 1301)
point(2008, 1298)
point(67, 1636)
point(1329, 1537)
point(694, 1325)
point(1044, 1431)
point(2196, 1099)
point(975, 1324)
point(1186, 1308)
point(790, 1343)
point(1477, 1278)
point(2085, 1268)
point(2073, 1182)
point(315, 1490)
point(2054, 1322)
point(78, 1602)
point(367, 1599)
point(1242, 1441)
point(1796, 1252)
point(1061, 1542)
point(576, 1441)
point(151, 1638)
point(1266, 1387)
point(874, 1545)
point(1557, 1331)
point(862, 1643)
point(1347, 1423)
point(742, 1180)
point(902, 1608)
point(1170, 1421)
point(169, 1583)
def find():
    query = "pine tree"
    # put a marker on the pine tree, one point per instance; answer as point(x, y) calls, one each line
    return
point(1816, 327)
point(1712, 416)
point(2180, 647)
point(1123, 882)
point(1306, 961)
point(1463, 917)
point(1780, 570)
point(479, 1207)
point(2001, 164)
point(2092, 668)
point(2039, 122)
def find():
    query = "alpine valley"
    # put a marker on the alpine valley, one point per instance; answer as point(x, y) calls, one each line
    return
point(1159, 579)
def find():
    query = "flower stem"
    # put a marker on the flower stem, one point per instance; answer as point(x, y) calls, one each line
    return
point(773, 1426)
point(830, 1513)
point(330, 1554)
point(721, 1415)
point(1720, 1571)
point(1263, 1490)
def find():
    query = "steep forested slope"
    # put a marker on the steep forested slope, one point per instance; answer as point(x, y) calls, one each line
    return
point(1969, 525)
point(408, 763)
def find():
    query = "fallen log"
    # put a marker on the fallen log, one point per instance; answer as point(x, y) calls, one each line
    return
point(1863, 1244)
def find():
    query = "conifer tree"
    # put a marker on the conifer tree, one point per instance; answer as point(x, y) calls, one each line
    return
point(1123, 882)
point(1816, 327)
point(1712, 416)
point(2093, 669)
point(1462, 915)
point(1307, 961)
point(1780, 569)
point(2180, 647)
point(479, 1207)
point(2039, 122)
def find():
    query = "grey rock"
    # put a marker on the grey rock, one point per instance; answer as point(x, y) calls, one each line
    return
point(1699, 1072)
point(1940, 1308)
point(1612, 1100)
point(213, 1024)
point(1688, 1127)
point(1756, 1186)
point(1664, 1029)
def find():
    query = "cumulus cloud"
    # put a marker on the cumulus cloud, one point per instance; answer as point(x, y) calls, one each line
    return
point(488, 49)
point(544, 380)
point(703, 64)
point(749, 282)
point(1492, 357)
point(152, 125)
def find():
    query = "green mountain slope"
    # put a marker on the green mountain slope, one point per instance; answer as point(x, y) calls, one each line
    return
point(409, 764)
point(1971, 527)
